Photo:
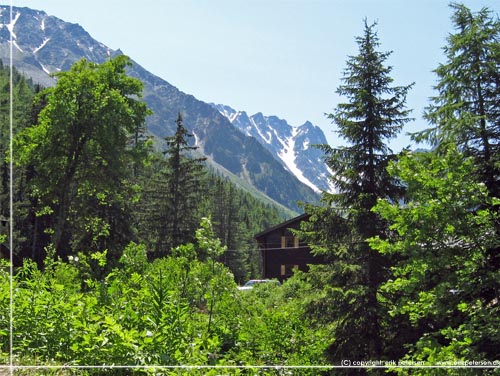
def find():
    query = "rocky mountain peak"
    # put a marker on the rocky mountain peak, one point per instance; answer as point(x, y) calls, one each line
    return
point(44, 44)
point(292, 146)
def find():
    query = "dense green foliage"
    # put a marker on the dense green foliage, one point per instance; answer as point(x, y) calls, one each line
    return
point(446, 235)
point(81, 158)
point(414, 239)
point(175, 310)
point(446, 282)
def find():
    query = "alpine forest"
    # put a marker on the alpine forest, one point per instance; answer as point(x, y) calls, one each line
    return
point(124, 253)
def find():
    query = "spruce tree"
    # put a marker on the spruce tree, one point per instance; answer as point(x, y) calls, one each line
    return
point(466, 109)
point(228, 225)
point(22, 97)
point(373, 114)
point(182, 191)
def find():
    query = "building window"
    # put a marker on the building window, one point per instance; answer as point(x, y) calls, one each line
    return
point(287, 269)
point(289, 241)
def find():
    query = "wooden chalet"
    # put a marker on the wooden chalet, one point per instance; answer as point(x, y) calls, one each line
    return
point(282, 251)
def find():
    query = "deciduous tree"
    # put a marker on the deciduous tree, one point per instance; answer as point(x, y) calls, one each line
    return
point(82, 159)
point(447, 235)
point(444, 282)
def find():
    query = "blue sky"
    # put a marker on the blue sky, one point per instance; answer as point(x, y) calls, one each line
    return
point(278, 57)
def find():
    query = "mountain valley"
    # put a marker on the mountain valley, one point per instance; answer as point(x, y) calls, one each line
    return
point(263, 152)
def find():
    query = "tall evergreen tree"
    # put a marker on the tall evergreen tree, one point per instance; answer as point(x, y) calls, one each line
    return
point(374, 113)
point(22, 97)
point(466, 110)
point(226, 214)
point(182, 191)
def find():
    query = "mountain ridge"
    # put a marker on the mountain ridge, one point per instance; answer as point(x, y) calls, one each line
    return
point(44, 44)
point(293, 146)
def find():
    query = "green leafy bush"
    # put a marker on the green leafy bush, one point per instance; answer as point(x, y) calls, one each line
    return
point(179, 310)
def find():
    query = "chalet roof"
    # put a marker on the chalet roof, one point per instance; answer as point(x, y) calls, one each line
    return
point(285, 225)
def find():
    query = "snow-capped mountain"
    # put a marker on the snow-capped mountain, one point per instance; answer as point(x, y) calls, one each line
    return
point(40, 43)
point(292, 146)
point(44, 44)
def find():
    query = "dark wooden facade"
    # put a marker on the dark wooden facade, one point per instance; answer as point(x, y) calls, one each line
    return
point(282, 252)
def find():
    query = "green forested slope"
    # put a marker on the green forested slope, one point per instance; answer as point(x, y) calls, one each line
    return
point(39, 187)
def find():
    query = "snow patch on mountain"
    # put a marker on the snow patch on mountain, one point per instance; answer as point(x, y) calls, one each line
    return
point(17, 46)
point(44, 68)
point(289, 157)
point(41, 46)
point(266, 137)
point(292, 146)
point(11, 25)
